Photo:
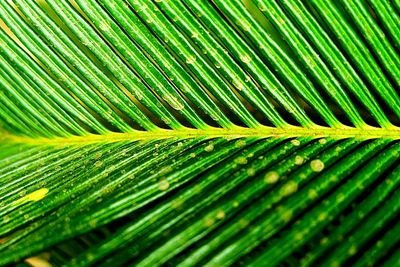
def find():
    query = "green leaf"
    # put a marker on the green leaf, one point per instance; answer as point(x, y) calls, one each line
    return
point(190, 133)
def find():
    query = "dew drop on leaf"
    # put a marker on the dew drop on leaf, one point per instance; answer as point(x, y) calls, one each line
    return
point(104, 26)
point(220, 214)
point(215, 117)
point(98, 163)
point(322, 216)
point(240, 143)
point(322, 141)
point(209, 222)
point(166, 170)
point(271, 177)
point(289, 188)
point(340, 197)
point(191, 60)
point(298, 160)
point(295, 142)
point(286, 215)
point(241, 160)
point(324, 240)
point(245, 58)
point(312, 194)
point(352, 250)
point(238, 84)
point(163, 184)
point(251, 172)
point(209, 148)
point(244, 24)
point(317, 165)
point(6, 219)
point(173, 102)
point(244, 223)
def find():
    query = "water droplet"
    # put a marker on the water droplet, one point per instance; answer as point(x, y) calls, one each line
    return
point(220, 214)
point(139, 95)
point(245, 59)
point(289, 188)
point(173, 102)
point(312, 194)
point(244, 223)
point(215, 117)
point(298, 160)
point(6, 219)
point(177, 204)
point(165, 170)
point(324, 240)
point(322, 216)
point(238, 84)
point(322, 141)
point(244, 24)
point(192, 155)
point(262, 7)
point(93, 223)
point(287, 215)
point(104, 26)
point(163, 184)
point(295, 142)
point(333, 178)
point(191, 60)
point(340, 197)
point(240, 143)
point(271, 177)
point(209, 222)
point(240, 160)
point(251, 172)
point(209, 148)
point(166, 120)
point(352, 250)
point(299, 236)
point(317, 165)
point(98, 163)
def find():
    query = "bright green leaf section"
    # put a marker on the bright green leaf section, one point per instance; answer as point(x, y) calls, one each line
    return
point(199, 201)
point(97, 67)
point(191, 133)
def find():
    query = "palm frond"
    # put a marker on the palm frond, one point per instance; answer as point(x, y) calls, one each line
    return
point(217, 133)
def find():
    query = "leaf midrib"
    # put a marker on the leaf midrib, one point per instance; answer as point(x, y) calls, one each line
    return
point(263, 131)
